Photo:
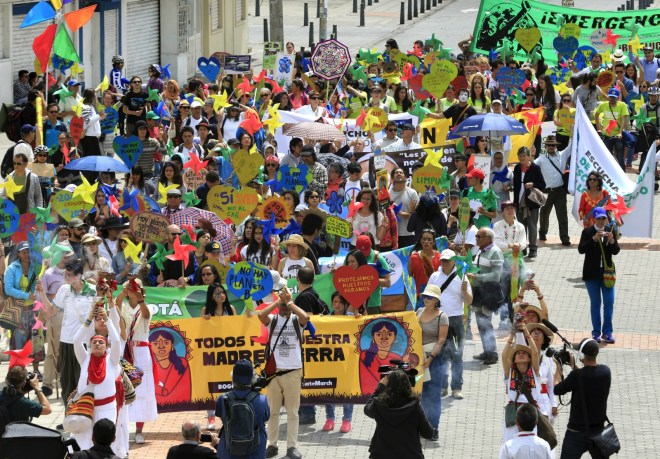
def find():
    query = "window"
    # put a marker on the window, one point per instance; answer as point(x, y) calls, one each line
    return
point(241, 10)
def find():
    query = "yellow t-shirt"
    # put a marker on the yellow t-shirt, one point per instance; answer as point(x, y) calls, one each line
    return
point(617, 113)
point(478, 105)
point(566, 116)
point(23, 284)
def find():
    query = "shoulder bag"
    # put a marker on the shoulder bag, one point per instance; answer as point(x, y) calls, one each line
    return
point(564, 175)
point(543, 427)
point(609, 271)
point(10, 316)
point(606, 441)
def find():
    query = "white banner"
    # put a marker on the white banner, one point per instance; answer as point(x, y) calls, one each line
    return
point(639, 222)
point(589, 154)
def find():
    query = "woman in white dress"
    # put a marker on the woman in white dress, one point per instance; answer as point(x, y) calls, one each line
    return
point(99, 369)
point(136, 315)
point(542, 337)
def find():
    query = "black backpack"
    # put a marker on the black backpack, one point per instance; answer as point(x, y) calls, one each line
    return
point(5, 415)
point(13, 122)
point(7, 166)
point(241, 429)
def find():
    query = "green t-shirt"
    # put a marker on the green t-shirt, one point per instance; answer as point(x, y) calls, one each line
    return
point(22, 409)
point(618, 112)
point(484, 198)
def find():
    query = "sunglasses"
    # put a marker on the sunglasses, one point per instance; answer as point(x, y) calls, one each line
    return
point(314, 98)
point(566, 100)
point(271, 165)
point(19, 164)
point(428, 297)
point(391, 130)
point(529, 94)
point(185, 107)
point(176, 234)
point(136, 82)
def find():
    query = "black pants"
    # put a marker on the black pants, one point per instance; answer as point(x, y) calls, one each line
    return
point(576, 444)
point(556, 198)
point(69, 370)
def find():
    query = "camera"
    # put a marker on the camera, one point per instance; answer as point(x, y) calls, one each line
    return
point(259, 379)
point(406, 367)
point(563, 355)
point(519, 317)
point(206, 438)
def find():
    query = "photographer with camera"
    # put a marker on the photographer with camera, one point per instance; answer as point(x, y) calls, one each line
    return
point(590, 388)
point(14, 405)
point(191, 448)
point(400, 419)
point(244, 412)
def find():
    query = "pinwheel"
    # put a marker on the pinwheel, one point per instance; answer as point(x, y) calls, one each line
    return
point(130, 200)
point(611, 38)
point(154, 95)
point(190, 199)
point(20, 357)
point(433, 157)
point(195, 164)
point(86, 190)
point(11, 187)
point(55, 251)
point(619, 208)
point(188, 236)
point(292, 228)
point(43, 216)
point(220, 100)
point(132, 251)
point(434, 42)
point(104, 85)
point(268, 226)
point(419, 111)
point(181, 252)
point(163, 190)
point(159, 257)
point(499, 176)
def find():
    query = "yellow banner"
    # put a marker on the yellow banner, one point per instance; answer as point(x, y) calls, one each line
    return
point(195, 357)
point(526, 140)
point(433, 133)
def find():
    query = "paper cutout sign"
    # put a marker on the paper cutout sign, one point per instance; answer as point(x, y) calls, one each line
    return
point(150, 227)
point(570, 30)
point(510, 78)
point(9, 218)
point(338, 226)
point(247, 165)
point(356, 285)
point(294, 178)
point(380, 115)
point(193, 181)
point(69, 207)
point(566, 46)
point(210, 67)
point(437, 80)
point(249, 280)
point(416, 83)
point(275, 205)
point(597, 38)
point(528, 38)
point(429, 178)
point(464, 215)
point(26, 224)
point(229, 203)
point(76, 128)
point(128, 149)
point(605, 79)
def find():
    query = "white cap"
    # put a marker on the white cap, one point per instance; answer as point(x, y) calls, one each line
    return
point(447, 254)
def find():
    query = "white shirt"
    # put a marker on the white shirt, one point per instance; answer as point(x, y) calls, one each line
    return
point(308, 110)
point(526, 445)
point(470, 238)
point(287, 350)
point(400, 145)
point(506, 234)
point(552, 177)
point(451, 299)
point(76, 308)
point(104, 253)
point(407, 197)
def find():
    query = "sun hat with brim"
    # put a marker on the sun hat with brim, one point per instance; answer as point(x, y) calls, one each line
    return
point(522, 347)
point(551, 140)
point(433, 291)
point(90, 239)
point(114, 223)
point(295, 239)
point(546, 331)
point(536, 309)
point(317, 212)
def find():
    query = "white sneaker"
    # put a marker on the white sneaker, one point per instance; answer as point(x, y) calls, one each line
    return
point(139, 439)
point(457, 394)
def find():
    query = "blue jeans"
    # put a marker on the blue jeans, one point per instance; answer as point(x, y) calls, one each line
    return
point(432, 391)
point(486, 333)
point(457, 328)
point(307, 411)
point(595, 288)
point(615, 146)
point(348, 412)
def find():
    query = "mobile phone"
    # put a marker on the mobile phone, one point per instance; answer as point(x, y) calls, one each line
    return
point(206, 438)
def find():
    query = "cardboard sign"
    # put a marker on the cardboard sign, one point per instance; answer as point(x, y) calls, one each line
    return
point(192, 180)
point(605, 79)
point(382, 118)
point(150, 227)
point(510, 78)
point(69, 207)
point(428, 178)
point(249, 280)
point(416, 83)
point(210, 68)
point(570, 29)
point(42, 169)
point(528, 38)
point(566, 46)
point(356, 285)
point(338, 226)
point(464, 214)
point(271, 49)
point(246, 165)
point(483, 162)
point(284, 67)
point(596, 39)
point(8, 218)
point(237, 65)
point(294, 178)
point(437, 80)
point(128, 149)
point(275, 205)
point(76, 128)
point(229, 203)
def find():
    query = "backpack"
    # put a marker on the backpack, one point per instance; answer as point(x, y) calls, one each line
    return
point(13, 123)
point(5, 415)
point(7, 166)
point(241, 429)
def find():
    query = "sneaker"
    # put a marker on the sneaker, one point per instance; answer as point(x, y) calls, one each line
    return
point(211, 423)
point(482, 356)
point(307, 421)
point(445, 392)
point(271, 451)
point(345, 426)
point(609, 339)
point(596, 337)
point(457, 394)
point(566, 242)
point(293, 453)
point(543, 237)
point(47, 391)
point(139, 439)
point(491, 359)
point(435, 436)
point(329, 425)
point(532, 253)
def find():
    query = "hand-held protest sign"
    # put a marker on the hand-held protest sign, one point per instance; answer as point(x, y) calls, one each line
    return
point(356, 285)
point(249, 280)
point(128, 149)
point(210, 67)
point(275, 205)
point(246, 165)
point(229, 203)
point(76, 128)
point(150, 227)
point(338, 226)
point(8, 218)
point(69, 207)
point(429, 178)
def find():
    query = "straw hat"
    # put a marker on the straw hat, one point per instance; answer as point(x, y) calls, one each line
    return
point(90, 238)
point(296, 239)
point(522, 347)
point(543, 328)
point(432, 290)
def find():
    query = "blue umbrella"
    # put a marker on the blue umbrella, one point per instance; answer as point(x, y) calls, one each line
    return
point(97, 164)
point(490, 124)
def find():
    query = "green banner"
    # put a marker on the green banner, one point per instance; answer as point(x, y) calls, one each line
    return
point(499, 21)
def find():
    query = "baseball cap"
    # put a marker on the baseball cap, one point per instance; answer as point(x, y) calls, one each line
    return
point(203, 124)
point(613, 92)
point(196, 104)
point(599, 212)
point(151, 115)
point(174, 192)
point(476, 173)
point(22, 246)
point(496, 101)
point(140, 124)
point(73, 82)
point(242, 373)
point(76, 223)
point(213, 247)
point(454, 194)
point(233, 141)
point(407, 126)
point(447, 254)
point(363, 244)
point(209, 102)
point(27, 128)
point(647, 48)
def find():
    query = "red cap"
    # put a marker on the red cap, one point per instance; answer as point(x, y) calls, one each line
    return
point(476, 173)
point(363, 244)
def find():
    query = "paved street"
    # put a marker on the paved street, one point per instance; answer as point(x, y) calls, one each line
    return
point(472, 428)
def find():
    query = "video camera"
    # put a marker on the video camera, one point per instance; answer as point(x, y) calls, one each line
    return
point(396, 364)
point(563, 355)
point(259, 379)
